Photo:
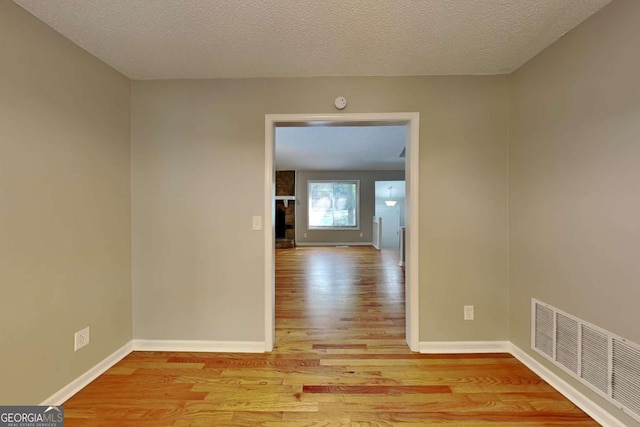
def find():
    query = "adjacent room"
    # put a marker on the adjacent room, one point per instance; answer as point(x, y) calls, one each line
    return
point(175, 249)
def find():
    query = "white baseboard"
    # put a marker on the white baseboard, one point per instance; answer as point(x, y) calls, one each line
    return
point(592, 409)
point(66, 392)
point(62, 395)
point(450, 347)
point(197, 345)
point(334, 243)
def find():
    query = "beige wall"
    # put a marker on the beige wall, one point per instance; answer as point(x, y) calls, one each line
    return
point(198, 177)
point(197, 169)
point(64, 208)
point(367, 205)
point(575, 177)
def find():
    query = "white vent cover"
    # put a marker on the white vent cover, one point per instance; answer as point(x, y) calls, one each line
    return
point(625, 373)
point(544, 330)
point(606, 363)
point(595, 358)
point(567, 342)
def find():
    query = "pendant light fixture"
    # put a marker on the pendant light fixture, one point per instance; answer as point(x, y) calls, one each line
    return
point(390, 202)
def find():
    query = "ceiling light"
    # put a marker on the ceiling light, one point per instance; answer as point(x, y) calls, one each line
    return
point(390, 202)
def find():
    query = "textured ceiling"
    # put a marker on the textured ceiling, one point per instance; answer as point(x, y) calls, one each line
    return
point(340, 148)
point(168, 39)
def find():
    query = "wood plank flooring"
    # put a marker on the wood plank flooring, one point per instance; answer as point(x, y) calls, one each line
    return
point(340, 360)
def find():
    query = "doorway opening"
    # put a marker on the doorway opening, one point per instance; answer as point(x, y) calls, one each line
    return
point(411, 121)
point(389, 213)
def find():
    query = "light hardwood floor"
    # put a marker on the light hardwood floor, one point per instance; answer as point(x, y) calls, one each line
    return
point(340, 360)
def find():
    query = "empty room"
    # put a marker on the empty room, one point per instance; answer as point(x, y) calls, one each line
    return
point(155, 270)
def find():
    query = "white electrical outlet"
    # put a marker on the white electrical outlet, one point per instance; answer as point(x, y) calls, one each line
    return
point(81, 338)
point(361, 234)
point(305, 234)
point(468, 312)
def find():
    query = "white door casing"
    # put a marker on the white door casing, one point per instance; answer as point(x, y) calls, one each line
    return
point(412, 121)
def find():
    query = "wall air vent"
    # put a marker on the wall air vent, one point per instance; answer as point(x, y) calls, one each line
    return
point(625, 375)
point(605, 362)
point(544, 330)
point(594, 349)
point(567, 342)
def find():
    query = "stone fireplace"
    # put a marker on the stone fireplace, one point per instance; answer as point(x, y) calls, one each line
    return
point(285, 214)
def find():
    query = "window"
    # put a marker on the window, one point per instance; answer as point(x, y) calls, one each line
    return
point(333, 204)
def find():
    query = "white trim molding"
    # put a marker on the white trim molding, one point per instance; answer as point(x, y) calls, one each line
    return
point(412, 175)
point(590, 407)
point(200, 346)
point(583, 402)
point(66, 392)
point(453, 347)
point(412, 235)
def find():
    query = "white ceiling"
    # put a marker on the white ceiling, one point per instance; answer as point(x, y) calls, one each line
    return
point(169, 39)
point(340, 148)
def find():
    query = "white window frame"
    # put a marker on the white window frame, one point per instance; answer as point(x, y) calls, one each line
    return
point(357, 213)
